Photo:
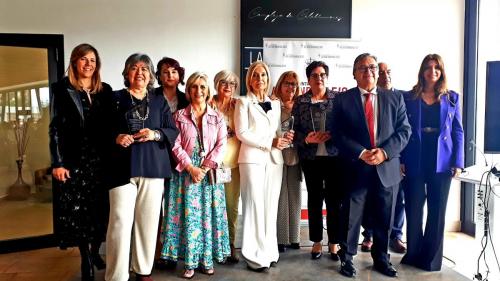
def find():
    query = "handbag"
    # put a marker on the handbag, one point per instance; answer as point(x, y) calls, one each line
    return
point(222, 174)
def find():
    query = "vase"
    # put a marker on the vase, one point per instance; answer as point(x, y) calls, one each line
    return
point(19, 190)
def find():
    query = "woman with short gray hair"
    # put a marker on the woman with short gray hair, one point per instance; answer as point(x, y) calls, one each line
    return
point(226, 83)
point(143, 132)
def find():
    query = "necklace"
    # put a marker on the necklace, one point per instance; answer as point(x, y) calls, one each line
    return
point(146, 116)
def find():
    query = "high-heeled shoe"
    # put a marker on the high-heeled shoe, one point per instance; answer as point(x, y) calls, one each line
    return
point(315, 254)
point(332, 250)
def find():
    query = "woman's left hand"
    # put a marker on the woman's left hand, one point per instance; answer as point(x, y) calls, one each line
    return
point(456, 172)
point(144, 135)
point(289, 135)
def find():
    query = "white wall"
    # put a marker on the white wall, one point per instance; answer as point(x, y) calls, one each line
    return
point(204, 35)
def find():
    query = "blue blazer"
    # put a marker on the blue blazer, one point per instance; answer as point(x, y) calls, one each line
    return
point(350, 131)
point(451, 138)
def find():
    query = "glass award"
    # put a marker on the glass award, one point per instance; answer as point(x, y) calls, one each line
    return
point(134, 123)
point(287, 125)
point(318, 118)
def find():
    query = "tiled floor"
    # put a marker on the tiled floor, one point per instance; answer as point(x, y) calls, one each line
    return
point(54, 265)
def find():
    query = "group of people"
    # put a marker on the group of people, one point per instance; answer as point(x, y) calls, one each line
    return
point(117, 155)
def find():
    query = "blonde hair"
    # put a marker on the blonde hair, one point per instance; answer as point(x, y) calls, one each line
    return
point(77, 53)
point(250, 72)
point(190, 81)
point(285, 75)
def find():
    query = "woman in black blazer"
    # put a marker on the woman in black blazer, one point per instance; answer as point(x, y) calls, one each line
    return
point(79, 103)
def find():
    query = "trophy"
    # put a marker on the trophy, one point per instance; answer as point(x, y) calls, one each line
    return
point(318, 118)
point(287, 125)
point(134, 123)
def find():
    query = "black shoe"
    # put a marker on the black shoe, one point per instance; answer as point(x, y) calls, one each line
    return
point(163, 264)
point(385, 268)
point(281, 248)
point(347, 268)
point(333, 256)
point(316, 256)
point(295, 246)
point(259, 269)
point(98, 261)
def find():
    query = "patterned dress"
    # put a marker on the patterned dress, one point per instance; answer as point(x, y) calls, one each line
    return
point(81, 203)
point(196, 225)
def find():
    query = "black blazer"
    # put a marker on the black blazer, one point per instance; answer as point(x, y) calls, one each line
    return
point(149, 159)
point(350, 131)
point(67, 123)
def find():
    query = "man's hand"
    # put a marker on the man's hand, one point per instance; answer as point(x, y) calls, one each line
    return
point(373, 156)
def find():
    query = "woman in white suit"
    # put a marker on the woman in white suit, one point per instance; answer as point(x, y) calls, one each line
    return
point(257, 125)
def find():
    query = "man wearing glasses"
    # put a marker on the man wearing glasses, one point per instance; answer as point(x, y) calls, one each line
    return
point(370, 128)
point(395, 243)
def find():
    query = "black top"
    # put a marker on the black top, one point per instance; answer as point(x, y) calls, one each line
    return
point(149, 159)
point(69, 126)
point(430, 134)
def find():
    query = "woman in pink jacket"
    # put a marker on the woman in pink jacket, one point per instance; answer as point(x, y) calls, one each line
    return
point(196, 225)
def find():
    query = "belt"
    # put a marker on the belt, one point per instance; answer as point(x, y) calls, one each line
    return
point(429, 130)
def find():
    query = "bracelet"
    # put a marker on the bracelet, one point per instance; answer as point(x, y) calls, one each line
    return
point(157, 135)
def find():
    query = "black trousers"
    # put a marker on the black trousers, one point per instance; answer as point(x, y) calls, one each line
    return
point(323, 178)
point(367, 190)
point(425, 249)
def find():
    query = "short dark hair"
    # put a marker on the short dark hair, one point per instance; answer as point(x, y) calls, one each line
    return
point(314, 64)
point(172, 63)
point(133, 59)
point(361, 57)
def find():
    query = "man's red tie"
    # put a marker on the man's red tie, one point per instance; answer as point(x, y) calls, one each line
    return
point(370, 121)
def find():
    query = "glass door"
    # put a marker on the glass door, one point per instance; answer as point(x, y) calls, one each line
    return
point(28, 65)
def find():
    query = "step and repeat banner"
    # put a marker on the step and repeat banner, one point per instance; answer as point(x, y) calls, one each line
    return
point(296, 54)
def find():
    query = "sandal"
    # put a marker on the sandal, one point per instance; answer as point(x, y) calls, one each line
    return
point(188, 274)
point(208, 271)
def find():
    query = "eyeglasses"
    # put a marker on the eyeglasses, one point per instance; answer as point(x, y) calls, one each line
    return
point(364, 68)
point(290, 84)
point(318, 76)
point(225, 83)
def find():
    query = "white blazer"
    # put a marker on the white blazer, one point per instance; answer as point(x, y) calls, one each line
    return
point(256, 130)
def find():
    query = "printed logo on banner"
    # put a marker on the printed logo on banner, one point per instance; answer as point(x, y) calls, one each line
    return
point(296, 54)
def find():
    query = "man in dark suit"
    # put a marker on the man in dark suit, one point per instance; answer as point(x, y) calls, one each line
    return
point(370, 128)
point(395, 243)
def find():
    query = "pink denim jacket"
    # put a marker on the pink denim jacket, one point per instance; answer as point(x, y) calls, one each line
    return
point(214, 134)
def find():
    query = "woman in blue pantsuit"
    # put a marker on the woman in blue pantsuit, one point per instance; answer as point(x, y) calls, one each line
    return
point(433, 156)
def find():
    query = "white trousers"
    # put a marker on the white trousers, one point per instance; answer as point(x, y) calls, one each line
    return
point(260, 191)
point(133, 221)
